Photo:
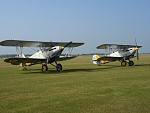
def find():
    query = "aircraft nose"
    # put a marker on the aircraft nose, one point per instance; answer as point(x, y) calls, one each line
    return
point(62, 48)
point(136, 49)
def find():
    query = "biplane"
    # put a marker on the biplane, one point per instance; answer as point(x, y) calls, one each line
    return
point(48, 53)
point(116, 52)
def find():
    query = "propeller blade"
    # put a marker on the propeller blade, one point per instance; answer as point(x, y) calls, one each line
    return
point(62, 48)
point(137, 53)
point(135, 42)
point(68, 44)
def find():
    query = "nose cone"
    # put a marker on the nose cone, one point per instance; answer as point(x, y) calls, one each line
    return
point(136, 49)
point(62, 48)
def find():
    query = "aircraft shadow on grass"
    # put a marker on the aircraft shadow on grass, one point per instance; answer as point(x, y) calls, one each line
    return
point(100, 68)
point(142, 65)
point(38, 71)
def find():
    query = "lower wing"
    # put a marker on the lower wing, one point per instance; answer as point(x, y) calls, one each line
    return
point(32, 61)
point(62, 58)
point(17, 61)
point(110, 58)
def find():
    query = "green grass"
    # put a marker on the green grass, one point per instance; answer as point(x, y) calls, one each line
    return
point(80, 88)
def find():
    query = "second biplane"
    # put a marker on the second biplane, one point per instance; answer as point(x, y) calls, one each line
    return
point(49, 53)
point(116, 52)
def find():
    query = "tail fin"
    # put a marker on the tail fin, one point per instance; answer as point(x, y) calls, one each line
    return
point(95, 59)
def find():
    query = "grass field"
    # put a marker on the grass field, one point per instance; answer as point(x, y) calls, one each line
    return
point(80, 88)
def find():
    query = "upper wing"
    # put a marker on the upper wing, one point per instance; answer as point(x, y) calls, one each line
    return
point(17, 61)
point(116, 46)
point(23, 43)
point(62, 58)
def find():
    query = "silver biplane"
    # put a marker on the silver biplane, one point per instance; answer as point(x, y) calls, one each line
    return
point(48, 53)
point(116, 52)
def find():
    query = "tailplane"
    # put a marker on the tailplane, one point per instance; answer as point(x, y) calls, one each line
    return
point(95, 59)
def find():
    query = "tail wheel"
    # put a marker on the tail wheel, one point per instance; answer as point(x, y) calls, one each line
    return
point(59, 67)
point(131, 63)
point(44, 68)
point(98, 63)
point(24, 68)
point(123, 63)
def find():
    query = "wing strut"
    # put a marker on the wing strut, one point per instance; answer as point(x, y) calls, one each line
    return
point(19, 51)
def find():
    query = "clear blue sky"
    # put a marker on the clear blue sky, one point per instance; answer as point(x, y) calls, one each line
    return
point(93, 22)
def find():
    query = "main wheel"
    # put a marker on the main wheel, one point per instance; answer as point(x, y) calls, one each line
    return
point(123, 63)
point(131, 63)
point(59, 67)
point(44, 68)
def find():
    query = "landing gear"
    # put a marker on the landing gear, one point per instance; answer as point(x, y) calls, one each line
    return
point(24, 68)
point(59, 67)
point(123, 63)
point(131, 63)
point(44, 68)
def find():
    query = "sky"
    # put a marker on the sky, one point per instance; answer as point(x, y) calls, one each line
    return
point(93, 22)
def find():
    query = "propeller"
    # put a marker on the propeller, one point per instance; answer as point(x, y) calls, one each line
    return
point(136, 49)
point(68, 44)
